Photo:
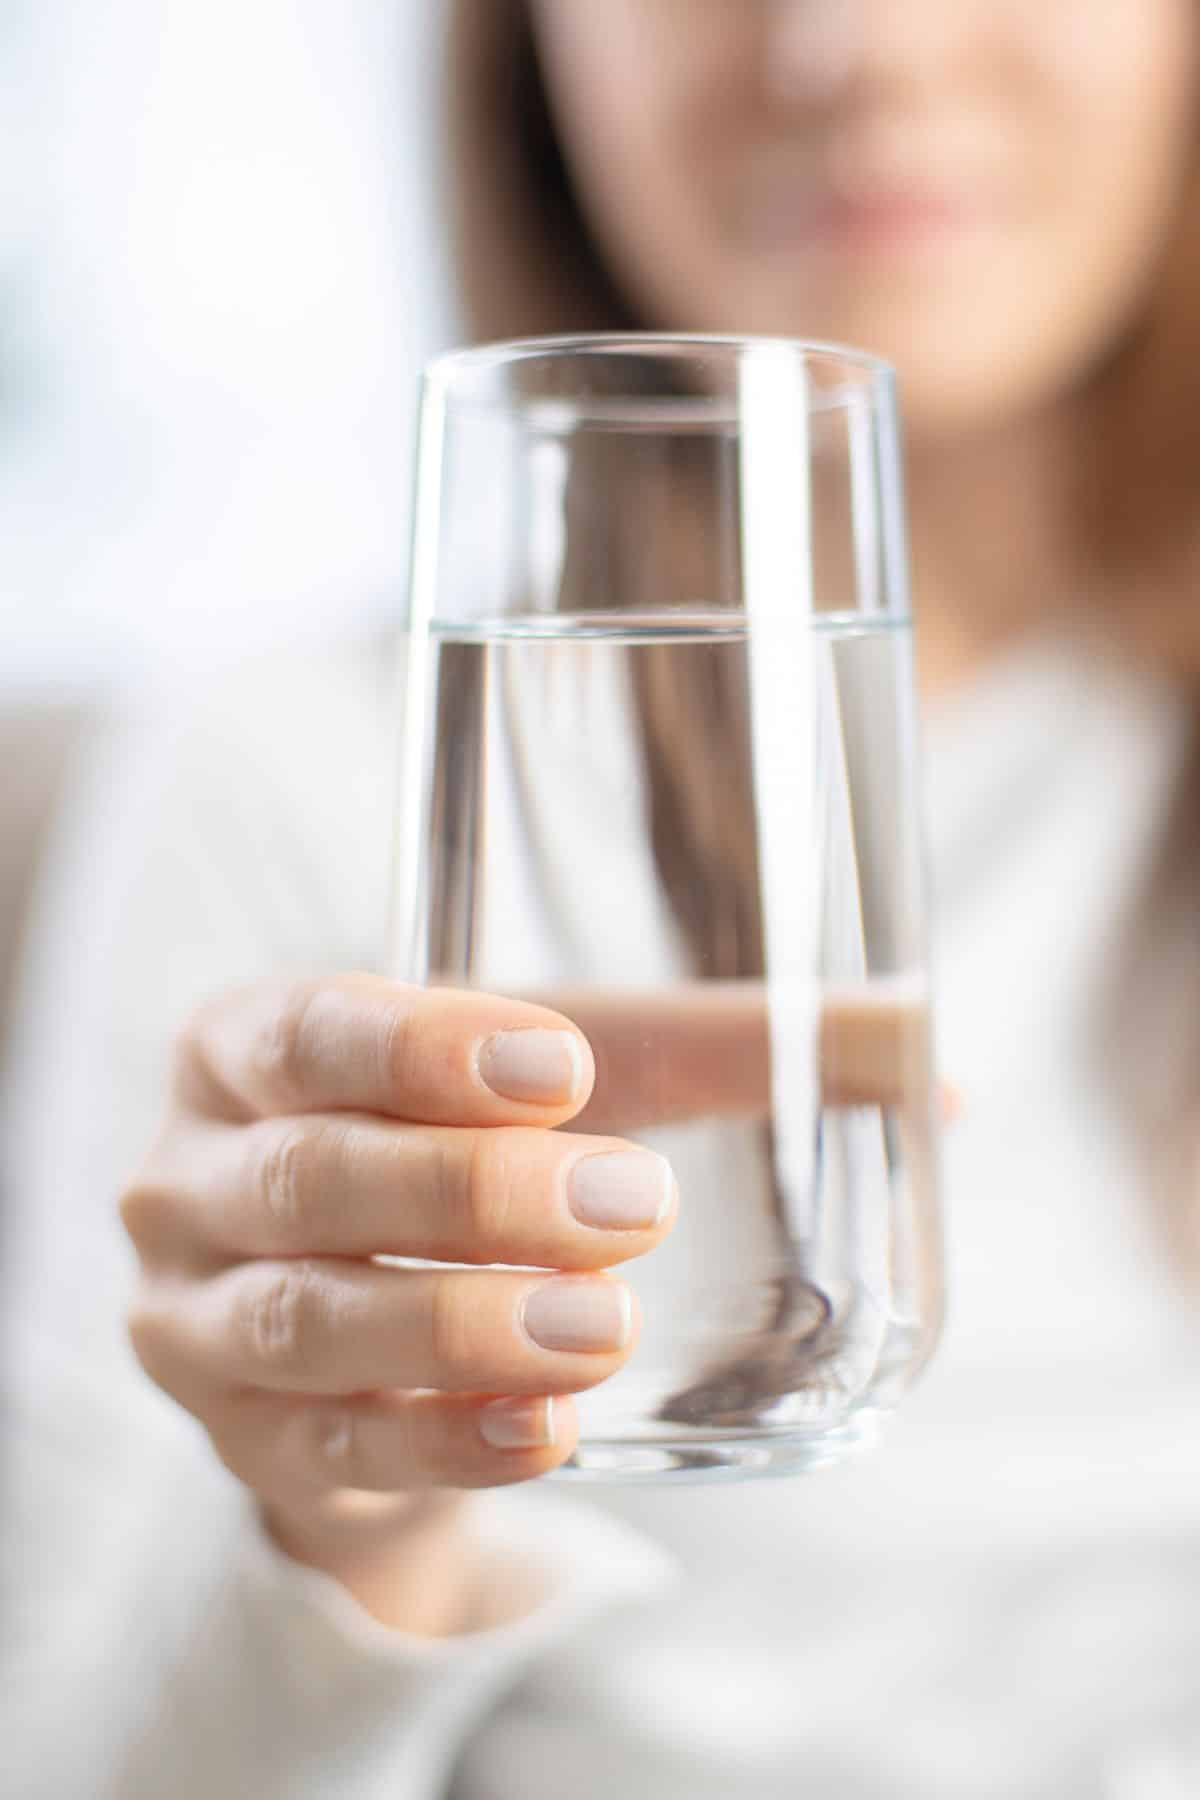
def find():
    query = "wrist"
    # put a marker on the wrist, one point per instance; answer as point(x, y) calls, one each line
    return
point(408, 1560)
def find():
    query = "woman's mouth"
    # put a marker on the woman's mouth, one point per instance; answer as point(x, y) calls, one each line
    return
point(886, 220)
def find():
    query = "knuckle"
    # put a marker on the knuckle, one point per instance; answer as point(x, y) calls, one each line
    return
point(282, 1321)
point(245, 1438)
point(153, 1203)
point(336, 1448)
point(141, 1206)
point(148, 1329)
point(401, 1050)
point(288, 1175)
point(187, 1060)
point(484, 1190)
point(231, 1449)
point(282, 1055)
point(195, 1084)
point(453, 1331)
point(144, 1330)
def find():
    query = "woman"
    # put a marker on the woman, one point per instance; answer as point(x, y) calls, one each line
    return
point(1004, 1602)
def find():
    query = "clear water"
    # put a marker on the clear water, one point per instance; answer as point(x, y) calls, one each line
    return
point(702, 843)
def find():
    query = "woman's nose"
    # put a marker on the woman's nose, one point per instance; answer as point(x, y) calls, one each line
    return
point(814, 51)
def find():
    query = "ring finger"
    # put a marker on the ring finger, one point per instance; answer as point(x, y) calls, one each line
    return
point(320, 1326)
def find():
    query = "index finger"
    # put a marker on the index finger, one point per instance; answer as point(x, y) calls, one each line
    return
point(435, 1056)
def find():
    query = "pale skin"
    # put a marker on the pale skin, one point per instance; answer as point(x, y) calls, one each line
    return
point(310, 1129)
point(315, 1127)
point(783, 168)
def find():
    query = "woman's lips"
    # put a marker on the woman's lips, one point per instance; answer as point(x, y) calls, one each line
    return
point(888, 221)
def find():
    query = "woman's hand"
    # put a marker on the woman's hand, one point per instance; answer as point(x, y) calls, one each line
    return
point(316, 1127)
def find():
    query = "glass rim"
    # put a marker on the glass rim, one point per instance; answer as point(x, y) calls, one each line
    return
point(447, 377)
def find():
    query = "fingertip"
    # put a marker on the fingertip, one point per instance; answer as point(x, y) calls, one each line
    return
point(464, 1057)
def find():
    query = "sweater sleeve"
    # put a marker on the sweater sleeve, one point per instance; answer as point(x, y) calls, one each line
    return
point(141, 1599)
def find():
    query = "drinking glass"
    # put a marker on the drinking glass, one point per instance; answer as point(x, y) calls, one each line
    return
point(659, 770)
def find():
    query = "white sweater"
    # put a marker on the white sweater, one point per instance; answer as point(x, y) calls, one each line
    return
point(1004, 1601)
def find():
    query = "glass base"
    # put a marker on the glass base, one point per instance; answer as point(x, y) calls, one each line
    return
point(717, 1458)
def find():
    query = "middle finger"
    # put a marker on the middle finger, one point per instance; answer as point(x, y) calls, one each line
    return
point(339, 1185)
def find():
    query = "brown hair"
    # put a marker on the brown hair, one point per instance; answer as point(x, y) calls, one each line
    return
point(525, 261)
point(527, 265)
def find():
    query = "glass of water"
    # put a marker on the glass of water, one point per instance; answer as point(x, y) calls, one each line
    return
point(659, 771)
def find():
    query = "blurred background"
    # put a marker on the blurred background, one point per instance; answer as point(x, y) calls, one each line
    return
point(218, 278)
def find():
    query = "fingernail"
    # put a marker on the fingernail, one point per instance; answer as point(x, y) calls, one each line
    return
point(518, 1424)
point(579, 1315)
point(620, 1190)
point(544, 1067)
